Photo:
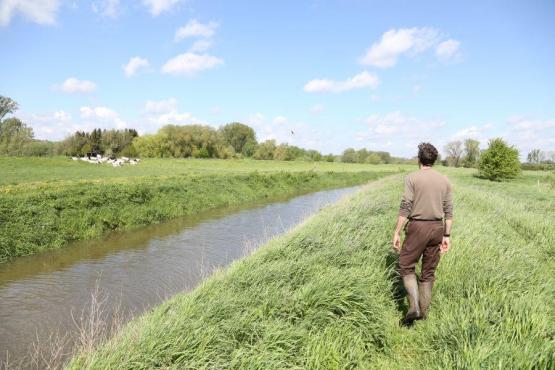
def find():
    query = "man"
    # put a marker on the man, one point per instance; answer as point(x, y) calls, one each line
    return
point(427, 204)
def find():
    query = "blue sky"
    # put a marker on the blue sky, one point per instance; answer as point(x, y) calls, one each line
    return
point(380, 75)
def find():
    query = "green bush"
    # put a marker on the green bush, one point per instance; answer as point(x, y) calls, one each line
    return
point(499, 161)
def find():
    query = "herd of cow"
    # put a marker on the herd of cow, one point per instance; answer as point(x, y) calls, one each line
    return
point(115, 162)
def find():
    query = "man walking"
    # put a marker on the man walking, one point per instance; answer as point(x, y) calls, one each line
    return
point(428, 206)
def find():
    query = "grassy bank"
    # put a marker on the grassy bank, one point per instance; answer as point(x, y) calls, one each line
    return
point(37, 215)
point(326, 296)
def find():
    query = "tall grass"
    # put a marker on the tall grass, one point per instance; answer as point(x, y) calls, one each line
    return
point(38, 216)
point(326, 295)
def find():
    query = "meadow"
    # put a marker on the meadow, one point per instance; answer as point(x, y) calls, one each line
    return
point(326, 295)
point(47, 202)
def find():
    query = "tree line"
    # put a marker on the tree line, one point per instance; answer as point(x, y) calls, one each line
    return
point(233, 140)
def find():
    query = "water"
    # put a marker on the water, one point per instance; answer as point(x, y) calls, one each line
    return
point(47, 293)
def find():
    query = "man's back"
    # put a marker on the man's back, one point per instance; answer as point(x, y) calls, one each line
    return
point(427, 196)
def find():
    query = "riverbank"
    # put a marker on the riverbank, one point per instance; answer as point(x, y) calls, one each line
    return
point(325, 295)
point(39, 215)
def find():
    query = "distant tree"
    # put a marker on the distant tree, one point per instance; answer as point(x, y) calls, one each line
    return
point(471, 153)
point(14, 136)
point(535, 156)
point(373, 158)
point(38, 148)
point(7, 106)
point(349, 156)
point(454, 152)
point(249, 148)
point(238, 135)
point(499, 161)
point(385, 157)
point(265, 150)
point(329, 158)
point(314, 155)
point(283, 153)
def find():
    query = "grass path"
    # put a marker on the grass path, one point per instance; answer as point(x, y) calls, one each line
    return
point(324, 296)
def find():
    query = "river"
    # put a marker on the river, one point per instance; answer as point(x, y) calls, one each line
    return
point(44, 297)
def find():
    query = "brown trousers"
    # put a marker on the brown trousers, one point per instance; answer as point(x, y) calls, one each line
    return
point(423, 239)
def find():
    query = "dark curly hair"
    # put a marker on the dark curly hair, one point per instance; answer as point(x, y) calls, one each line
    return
point(427, 154)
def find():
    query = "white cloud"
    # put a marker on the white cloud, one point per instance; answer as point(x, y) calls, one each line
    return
point(134, 65)
point(280, 120)
point(316, 108)
point(448, 50)
point(362, 80)
point(292, 133)
point(106, 8)
point(50, 126)
point(528, 133)
point(216, 110)
point(161, 106)
point(196, 29)
point(163, 112)
point(102, 117)
point(59, 124)
point(201, 46)
point(188, 64)
point(402, 133)
point(384, 54)
point(523, 123)
point(73, 85)
point(473, 132)
point(38, 11)
point(156, 7)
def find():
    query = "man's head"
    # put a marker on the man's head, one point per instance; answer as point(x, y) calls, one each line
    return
point(427, 154)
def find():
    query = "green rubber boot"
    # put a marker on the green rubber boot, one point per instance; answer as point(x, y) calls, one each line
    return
point(411, 286)
point(425, 290)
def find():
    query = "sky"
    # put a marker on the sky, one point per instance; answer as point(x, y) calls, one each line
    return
point(324, 75)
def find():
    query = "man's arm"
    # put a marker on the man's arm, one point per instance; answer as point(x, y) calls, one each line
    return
point(448, 212)
point(404, 212)
point(397, 235)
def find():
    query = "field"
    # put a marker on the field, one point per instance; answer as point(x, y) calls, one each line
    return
point(17, 171)
point(47, 202)
point(326, 295)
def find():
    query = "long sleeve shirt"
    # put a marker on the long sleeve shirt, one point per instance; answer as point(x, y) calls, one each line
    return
point(427, 196)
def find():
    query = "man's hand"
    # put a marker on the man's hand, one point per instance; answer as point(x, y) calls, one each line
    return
point(445, 245)
point(396, 242)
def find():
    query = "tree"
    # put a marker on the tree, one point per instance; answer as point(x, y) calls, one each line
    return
point(454, 151)
point(249, 148)
point(238, 135)
point(329, 158)
point(265, 150)
point(14, 136)
point(373, 158)
point(349, 156)
point(7, 105)
point(471, 153)
point(499, 161)
point(536, 156)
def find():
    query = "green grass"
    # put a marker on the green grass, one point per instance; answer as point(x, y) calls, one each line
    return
point(52, 201)
point(326, 295)
point(29, 170)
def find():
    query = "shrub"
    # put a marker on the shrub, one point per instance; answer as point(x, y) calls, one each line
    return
point(499, 161)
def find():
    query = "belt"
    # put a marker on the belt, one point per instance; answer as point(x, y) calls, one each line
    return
point(425, 219)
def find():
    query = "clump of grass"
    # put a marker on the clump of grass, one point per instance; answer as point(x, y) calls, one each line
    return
point(35, 217)
point(324, 296)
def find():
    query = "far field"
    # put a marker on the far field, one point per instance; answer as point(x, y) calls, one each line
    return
point(23, 170)
point(47, 202)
